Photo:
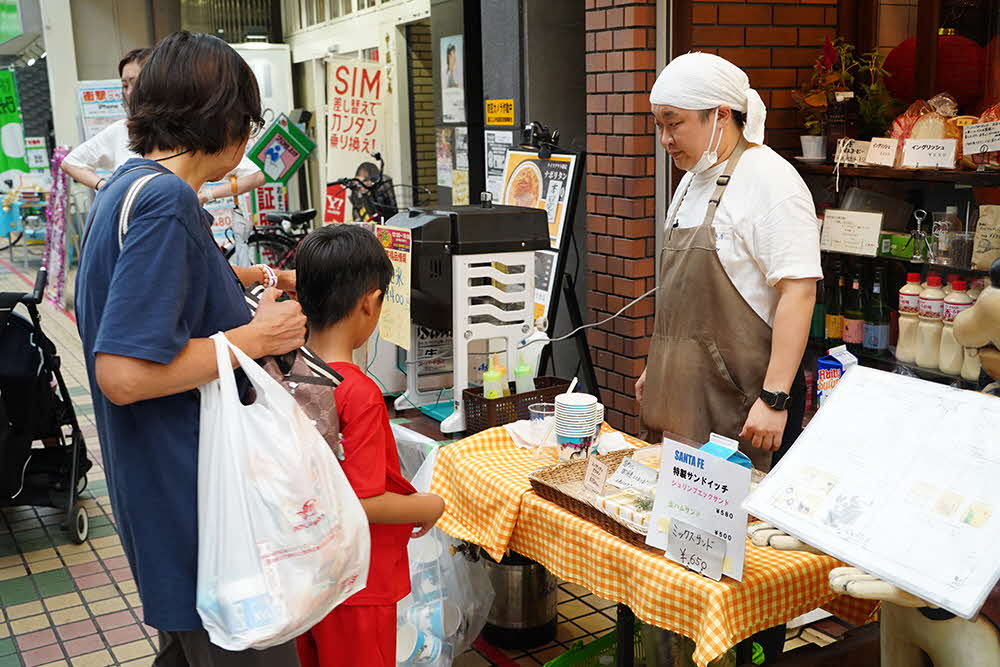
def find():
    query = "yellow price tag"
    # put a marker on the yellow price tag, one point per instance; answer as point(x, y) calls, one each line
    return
point(499, 112)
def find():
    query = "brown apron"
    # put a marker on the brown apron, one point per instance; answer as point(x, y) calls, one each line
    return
point(710, 349)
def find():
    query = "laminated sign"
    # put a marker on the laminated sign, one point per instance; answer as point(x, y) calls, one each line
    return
point(282, 150)
point(394, 324)
point(535, 182)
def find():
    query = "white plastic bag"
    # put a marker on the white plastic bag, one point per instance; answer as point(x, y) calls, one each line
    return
point(282, 538)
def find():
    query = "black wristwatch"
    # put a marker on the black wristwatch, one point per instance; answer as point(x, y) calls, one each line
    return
point(777, 400)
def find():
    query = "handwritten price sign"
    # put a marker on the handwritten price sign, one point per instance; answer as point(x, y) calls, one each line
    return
point(852, 151)
point(882, 152)
point(929, 153)
point(981, 138)
point(695, 549)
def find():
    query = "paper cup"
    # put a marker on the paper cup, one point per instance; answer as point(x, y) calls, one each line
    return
point(574, 448)
point(426, 583)
point(412, 645)
point(440, 618)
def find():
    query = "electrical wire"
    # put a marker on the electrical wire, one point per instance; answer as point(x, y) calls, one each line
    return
point(595, 324)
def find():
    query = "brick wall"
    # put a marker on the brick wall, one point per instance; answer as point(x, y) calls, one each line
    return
point(621, 67)
point(422, 101)
point(776, 42)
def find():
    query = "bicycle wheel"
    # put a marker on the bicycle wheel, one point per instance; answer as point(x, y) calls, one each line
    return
point(273, 250)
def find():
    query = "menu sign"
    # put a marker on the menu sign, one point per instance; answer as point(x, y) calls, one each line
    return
point(854, 232)
point(852, 151)
point(981, 138)
point(929, 153)
point(882, 152)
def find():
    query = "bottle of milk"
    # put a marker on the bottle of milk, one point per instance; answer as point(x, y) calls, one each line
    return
point(909, 308)
point(930, 326)
point(951, 354)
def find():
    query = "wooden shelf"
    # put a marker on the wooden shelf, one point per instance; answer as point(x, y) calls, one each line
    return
point(972, 178)
point(940, 268)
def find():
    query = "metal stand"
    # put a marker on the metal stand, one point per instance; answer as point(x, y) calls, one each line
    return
point(625, 653)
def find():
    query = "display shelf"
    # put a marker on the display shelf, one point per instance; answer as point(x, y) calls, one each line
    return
point(941, 268)
point(892, 365)
point(958, 176)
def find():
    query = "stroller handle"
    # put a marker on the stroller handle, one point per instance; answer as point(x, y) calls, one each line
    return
point(36, 294)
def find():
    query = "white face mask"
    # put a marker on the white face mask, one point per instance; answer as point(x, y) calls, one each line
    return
point(711, 155)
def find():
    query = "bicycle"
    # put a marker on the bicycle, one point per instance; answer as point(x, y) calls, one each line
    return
point(373, 194)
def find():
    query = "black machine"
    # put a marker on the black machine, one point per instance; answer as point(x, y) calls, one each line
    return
point(438, 234)
point(35, 407)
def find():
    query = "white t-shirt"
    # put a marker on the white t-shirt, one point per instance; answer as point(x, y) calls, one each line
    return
point(766, 226)
point(108, 150)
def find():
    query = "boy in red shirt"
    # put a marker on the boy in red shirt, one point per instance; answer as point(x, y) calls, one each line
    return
point(342, 275)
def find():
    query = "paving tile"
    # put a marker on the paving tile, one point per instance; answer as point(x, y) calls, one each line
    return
point(574, 609)
point(57, 663)
point(124, 635)
point(84, 569)
point(101, 531)
point(107, 606)
point(30, 624)
point(10, 561)
point(84, 645)
point(34, 640)
point(109, 541)
point(41, 554)
point(96, 659)
point(471, 659)
point(92, 581)
point(122, 574)
point(17, 591)
point(8, 573)
point(71, 615)
point(7, 647)
point(128, 586)
point(62, 601)
point(23, 610)
point(4, 630)
point(133, 600)
point(141, 662)
point(595, 623)
point(139, 649)
point(77, 629)
point(40, 656)
point(53, 583)
point(10, 661)
point(45, 565)
point(110, 552)
point(99, 593)
point(115, 620)
point(79, 558)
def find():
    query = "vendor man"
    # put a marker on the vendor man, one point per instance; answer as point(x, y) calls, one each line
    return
point(738, 269)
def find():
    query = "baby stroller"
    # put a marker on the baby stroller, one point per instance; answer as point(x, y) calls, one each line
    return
point(35, 407)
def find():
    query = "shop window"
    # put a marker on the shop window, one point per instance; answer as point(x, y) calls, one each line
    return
point(340, 8)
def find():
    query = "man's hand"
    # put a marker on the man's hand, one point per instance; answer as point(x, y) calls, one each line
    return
point(436, 509)
point(205, 196)
point(278, 327)
point(286, 282)
point(764, 426)
point(640, 386)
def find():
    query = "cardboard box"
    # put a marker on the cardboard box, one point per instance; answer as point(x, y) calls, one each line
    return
point(830, 369)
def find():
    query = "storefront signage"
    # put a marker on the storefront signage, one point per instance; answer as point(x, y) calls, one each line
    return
point(36, 153)
point(981, 138)
point(912, 501)
point(696, 549)
point(533, 182)
point(357, 97)
point(499, 112)
point(12, 158)
point(853, 232)
point(281, 150)
point(704, 491)
point(394, 324)
point(929, 153)
point(100, 105)
point(882, 152)
point(852, 151)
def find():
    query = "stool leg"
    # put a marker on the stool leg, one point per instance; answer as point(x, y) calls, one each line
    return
point(625, 654)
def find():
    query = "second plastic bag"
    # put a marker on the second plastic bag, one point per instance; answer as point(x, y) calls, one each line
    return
point(282, 538)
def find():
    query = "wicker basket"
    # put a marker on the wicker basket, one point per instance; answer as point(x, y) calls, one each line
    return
point(483, 413)
point(546, 482)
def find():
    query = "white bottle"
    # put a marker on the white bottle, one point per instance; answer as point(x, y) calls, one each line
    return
point(924, 284)
point(952, 277)
point(929, 329)
point(975, 289)
point(971, 365)
point(909, 308)
point(951, 354)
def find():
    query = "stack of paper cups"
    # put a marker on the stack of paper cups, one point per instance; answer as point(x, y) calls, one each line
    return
point(575, 418)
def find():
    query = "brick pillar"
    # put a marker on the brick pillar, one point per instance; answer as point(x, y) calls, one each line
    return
point(422, 108)
point(621, 62)
point(776, 43)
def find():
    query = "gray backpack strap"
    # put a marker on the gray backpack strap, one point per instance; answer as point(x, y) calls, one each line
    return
point(128, 203)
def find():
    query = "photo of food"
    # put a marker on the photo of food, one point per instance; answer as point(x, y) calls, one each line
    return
point(525, 186)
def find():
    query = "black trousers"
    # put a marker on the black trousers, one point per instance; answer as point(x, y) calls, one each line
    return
point(193, 649)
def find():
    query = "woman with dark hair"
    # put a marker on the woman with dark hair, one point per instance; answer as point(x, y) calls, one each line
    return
point(152, 287)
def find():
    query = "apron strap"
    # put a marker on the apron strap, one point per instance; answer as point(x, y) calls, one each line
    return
point(723, 180)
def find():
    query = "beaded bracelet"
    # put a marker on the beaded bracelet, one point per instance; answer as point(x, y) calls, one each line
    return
point(270, 276)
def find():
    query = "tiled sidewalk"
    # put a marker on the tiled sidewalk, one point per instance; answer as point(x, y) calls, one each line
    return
point(76, 605)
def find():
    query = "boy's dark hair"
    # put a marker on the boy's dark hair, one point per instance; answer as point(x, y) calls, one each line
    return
point(195, 93)
point(139, 56)
point(738, 116)
point(334, 267)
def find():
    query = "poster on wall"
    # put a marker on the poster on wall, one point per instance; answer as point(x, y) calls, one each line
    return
point(445, 156)
point(452, 81)
point(460, 188)
point(394, 323)
point(12, 160)
point(534, 182)
point(357, 98)
point(100, 105)
point(37, 154)
point(462, 148)
point(281, 150)
point(498, 142)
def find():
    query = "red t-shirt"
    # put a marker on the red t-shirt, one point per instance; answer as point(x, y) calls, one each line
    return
point(371, 464)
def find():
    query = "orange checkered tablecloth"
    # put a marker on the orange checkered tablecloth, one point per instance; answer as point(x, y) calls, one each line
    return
point(484, 482)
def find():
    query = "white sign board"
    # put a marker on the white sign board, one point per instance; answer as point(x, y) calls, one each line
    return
point(981, 138)
point(913, 500)
point(852, 151)
point(706, 492)
point(854, 232)
point(882, 152)
point(632, 475)
point(929, 153)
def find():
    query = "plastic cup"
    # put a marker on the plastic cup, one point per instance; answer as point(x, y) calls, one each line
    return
point(440, 618)
point(541, 411)
point(412, 645)
point(425, 549)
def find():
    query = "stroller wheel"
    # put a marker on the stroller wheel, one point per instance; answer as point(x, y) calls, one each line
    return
point(77, 524)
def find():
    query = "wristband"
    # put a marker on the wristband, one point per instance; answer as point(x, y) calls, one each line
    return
point(97, 186)
point(269, 274)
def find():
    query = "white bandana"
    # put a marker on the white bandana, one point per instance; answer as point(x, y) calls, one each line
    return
point(699, 81)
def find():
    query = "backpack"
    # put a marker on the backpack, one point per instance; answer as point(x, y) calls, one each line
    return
point(303, 374)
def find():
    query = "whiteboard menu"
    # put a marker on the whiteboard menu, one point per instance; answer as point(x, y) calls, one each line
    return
point(901, 478)
point(854, 232)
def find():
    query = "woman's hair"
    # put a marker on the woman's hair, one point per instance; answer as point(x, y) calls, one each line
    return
point(195, 93)
point(138, 56)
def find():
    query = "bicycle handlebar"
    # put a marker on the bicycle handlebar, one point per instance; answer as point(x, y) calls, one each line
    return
point(35, 297)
